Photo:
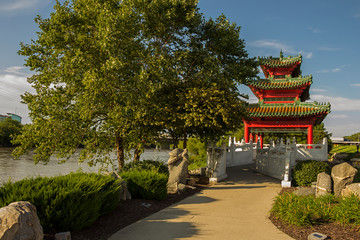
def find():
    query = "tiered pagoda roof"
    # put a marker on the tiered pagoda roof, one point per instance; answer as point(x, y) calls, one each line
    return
point(289, 111)
point(287, 83)
point(280, 66)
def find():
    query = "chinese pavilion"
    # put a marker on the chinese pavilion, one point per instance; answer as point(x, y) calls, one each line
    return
point(282, 94)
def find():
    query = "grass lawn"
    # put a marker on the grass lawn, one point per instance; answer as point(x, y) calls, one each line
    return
point(343, 149)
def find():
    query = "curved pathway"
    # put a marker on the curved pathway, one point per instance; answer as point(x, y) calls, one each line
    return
point(236, 208)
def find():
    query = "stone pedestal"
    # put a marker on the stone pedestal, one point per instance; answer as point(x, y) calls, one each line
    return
point(216, 164)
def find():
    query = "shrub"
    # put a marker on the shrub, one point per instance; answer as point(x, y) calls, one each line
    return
point(150, 165)
point(197, 153)
point(65, 203)
point(306, 172)
point(303, 210)
point(348, 211)
point(146, 184)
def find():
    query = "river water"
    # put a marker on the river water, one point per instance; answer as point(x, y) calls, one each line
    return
point(17, 169)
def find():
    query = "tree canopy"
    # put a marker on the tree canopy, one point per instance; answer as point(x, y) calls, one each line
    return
point(112, 73)
point(8, 129)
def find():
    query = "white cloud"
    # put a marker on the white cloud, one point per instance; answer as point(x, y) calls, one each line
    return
point(337, 69)
point(15, 5)
point(274, 44)
point(314, 30)
point(13, 84)
point(355, 85)
point(338, 116)
point(318, 90)
point(339, 103)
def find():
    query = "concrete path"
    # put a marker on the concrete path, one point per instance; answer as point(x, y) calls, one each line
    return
point(236, 208)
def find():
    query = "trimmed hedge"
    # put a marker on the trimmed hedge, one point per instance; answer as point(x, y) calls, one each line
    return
point(150, 165)
point(65, 203)
point(306, 172)
point(146, 184)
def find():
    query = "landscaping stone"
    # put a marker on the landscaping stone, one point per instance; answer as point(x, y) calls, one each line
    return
point(317, 236)
point(124, 192)
point(323, 184)
point(63, 236)
point(351, 189)
point(342, 175)
point(19, 220)
point(178, 170)
point(305, 192)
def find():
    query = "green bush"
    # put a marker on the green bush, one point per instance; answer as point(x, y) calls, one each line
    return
point(65, 203)
point(150, 165)
point(306, 172)
point(348, 211)
point(146, 184)
point(303, 210)
point(197, 153)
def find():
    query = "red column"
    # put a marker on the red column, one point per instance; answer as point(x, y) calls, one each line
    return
point(310, 135)
point(256, 138)
point(246, 133)
point(262, 141)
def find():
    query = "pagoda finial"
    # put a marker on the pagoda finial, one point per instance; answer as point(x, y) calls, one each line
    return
point(281, 54)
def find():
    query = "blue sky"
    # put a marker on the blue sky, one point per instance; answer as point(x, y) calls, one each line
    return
point(325, 32)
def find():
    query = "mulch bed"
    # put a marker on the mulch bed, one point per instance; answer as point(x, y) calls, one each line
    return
point(129, 212)
point(334, 231)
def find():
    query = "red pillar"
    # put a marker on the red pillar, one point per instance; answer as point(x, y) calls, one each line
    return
point(262, 141)
point(246, 133)
point(256, 138)
point(310, 135)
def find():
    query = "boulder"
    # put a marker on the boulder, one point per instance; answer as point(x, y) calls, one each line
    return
point(323, 184)
point(342, 175)
point(351, 189)
point(63, 236)
point(19, 220)
point(178, 169)
point(305, 191)
point(124, 192)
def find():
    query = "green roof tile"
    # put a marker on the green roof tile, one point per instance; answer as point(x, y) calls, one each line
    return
point(288, 83)
point(279, 62)
point(290, 110)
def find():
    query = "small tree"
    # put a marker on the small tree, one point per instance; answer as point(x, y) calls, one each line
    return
point(8, 129)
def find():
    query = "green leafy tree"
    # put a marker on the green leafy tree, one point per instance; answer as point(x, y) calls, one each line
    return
point(202, 98)
point(355, 137)
point(8, 129)
point(97, 64)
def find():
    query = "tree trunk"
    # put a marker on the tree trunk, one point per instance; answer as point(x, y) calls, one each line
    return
point(137, 153)
point(120, 150)
point(185, 140)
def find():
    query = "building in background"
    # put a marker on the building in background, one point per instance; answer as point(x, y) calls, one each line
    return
point(10, 116)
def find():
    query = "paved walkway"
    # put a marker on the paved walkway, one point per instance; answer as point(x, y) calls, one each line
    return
point(236, 208)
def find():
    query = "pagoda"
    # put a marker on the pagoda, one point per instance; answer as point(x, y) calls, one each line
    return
point(282, 94)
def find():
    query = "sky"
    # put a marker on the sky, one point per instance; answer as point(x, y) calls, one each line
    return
point(325, 32)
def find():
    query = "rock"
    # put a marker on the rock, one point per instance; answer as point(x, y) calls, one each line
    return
point(20, 221)
point(305, 192)
point(351, 189)
point(342, 175)
point(323, 184)
point(124, 192)
point(191, 181)
point(63, 236)
point(178, 170)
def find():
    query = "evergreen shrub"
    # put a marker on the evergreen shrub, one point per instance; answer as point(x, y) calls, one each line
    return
point(150, 165)
point(146, 184)
point(65, 203)
point(303, 210)
point(306, 172)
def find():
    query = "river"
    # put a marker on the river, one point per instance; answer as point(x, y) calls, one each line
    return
point(17, 169)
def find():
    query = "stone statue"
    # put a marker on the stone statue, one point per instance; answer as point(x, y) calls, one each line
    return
point(178, 169)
